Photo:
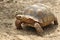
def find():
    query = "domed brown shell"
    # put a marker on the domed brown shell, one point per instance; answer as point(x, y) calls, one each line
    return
point(41, 13)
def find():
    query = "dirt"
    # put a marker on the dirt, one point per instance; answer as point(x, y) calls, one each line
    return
point(8, 10)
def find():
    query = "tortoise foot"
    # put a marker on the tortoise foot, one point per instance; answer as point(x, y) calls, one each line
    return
point(38, 28)
point(55, 22)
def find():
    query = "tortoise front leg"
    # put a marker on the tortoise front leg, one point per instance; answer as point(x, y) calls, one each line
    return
point(38, 28)
point(23, 25)
point(18, 24)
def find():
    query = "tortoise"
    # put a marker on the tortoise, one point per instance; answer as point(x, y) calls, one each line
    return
point(36, 16)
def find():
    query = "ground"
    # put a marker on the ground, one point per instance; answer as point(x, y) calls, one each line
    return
point(8, 31)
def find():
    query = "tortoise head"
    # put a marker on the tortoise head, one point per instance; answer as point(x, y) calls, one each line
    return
point(21, 17)
point(18, 17)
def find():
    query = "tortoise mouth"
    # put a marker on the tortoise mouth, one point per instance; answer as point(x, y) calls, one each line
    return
point(24, 17)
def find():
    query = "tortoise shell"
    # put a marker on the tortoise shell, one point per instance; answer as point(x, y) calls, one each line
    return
point(40, 13)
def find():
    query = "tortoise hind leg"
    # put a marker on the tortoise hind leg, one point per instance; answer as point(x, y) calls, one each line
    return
point(18, 24)
point(56, 21)
point(38, 28)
